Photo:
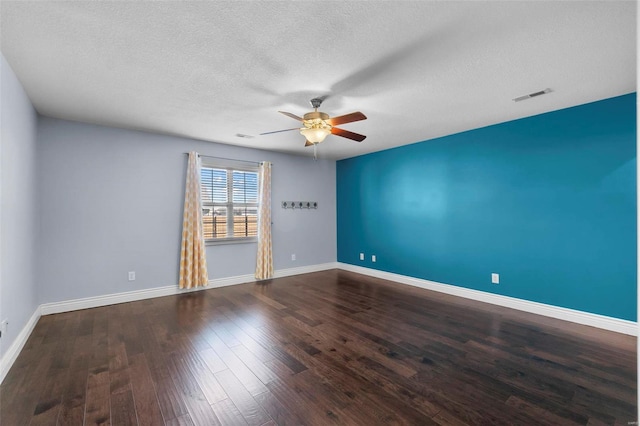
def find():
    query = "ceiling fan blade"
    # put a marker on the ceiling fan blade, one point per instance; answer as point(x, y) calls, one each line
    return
point(347, 134)
point(347, 118)
point(288, 114)
point(307, 143)
point(278, 131)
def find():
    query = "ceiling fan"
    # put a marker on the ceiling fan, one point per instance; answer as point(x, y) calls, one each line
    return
point(318, 125)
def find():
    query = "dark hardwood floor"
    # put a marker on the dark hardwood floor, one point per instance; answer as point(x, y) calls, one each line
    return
point(325, 348)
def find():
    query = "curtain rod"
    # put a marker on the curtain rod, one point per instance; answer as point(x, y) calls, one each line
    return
point(223, 158)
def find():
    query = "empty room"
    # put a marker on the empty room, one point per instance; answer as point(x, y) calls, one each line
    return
point(318, 213)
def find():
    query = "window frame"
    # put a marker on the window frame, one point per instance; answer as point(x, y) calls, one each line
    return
point(230, 166)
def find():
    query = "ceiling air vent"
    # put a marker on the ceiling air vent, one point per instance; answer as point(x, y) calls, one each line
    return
point(532, 95)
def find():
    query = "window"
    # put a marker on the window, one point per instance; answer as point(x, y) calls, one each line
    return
point(229, 201)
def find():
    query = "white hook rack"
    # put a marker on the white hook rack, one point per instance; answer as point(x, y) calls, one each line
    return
point(299, 204)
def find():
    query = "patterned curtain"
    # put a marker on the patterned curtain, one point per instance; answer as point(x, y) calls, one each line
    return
point(264, 264)
point(193, 261)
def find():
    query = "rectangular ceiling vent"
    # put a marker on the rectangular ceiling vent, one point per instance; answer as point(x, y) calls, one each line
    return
point(532, 95)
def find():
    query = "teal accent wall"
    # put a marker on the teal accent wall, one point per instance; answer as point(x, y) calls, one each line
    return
point(548, 202)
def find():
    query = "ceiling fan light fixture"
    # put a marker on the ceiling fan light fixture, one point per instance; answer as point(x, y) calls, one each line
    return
point(315, 127)
point(315, 134)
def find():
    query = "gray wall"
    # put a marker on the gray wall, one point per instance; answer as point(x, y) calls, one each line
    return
point(18, 230)
point(111, 202)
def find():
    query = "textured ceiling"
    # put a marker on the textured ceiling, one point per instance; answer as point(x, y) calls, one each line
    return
point(418, 70)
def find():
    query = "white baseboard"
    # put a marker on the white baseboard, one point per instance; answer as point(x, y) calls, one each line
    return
point(12, 353)
point(131, 296)
point(107, 299)
point(566, 314)
point(305, 269)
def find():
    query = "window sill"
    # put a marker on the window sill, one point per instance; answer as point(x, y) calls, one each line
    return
point(225, 241)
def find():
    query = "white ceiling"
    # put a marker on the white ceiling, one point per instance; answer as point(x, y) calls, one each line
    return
point(418, 70)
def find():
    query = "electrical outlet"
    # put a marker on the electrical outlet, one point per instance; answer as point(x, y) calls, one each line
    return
point(293, 257)
point(373, 258)
point(495, 278)
point(361, 256)
point(3, 326)
point(132, 275)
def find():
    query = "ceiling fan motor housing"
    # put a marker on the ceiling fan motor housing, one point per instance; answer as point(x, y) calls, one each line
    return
point(316, 115)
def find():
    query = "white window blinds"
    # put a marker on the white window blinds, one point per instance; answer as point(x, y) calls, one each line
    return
point(230, 202)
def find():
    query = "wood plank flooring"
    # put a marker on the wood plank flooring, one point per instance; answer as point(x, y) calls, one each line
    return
point(326, 348)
